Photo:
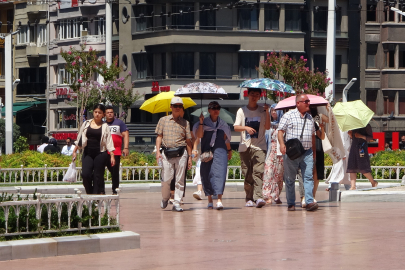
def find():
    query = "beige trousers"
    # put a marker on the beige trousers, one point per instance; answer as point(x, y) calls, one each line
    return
point(171, 168)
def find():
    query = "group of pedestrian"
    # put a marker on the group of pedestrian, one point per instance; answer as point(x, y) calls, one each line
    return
point(50, 146)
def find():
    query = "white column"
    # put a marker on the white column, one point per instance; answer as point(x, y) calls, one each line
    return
point(8, 48)
point(331, 49)
point(108, 33)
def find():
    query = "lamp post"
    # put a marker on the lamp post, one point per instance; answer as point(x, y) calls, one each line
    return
point(346, 89)
point(8, 52)
point(331, 49)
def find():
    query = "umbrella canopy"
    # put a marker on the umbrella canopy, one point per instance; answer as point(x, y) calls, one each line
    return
point(161, 103)
point(201, 90)
point(352, 115)
point(268, 84)
point(289, 103)
point(223, 114)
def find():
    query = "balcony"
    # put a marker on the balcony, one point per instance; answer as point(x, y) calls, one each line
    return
point(33, 88)
point(91, 39)
point(35, 51)
point(318, 39)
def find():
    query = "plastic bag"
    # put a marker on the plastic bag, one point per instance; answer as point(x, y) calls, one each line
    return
point(71, 173)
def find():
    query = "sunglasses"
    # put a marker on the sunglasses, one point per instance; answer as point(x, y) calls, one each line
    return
point(215, 108)
point(177, 106)
point(305, 101)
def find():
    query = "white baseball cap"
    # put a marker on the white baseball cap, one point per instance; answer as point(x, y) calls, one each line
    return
point(176, 100)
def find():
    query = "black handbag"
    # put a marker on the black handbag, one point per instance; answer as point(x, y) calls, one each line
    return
point(294, 148)
point(174, 152)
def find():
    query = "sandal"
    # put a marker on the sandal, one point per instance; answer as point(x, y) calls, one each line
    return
point(250, 204)
point(278, 201)
point(210, 205)
point(219, 206)
point(327, 189)
point(376, 184)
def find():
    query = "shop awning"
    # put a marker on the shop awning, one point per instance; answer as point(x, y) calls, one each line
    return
point(21, 106)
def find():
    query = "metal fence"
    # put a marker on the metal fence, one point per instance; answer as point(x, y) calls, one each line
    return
point(46, 174)
point(53, 213)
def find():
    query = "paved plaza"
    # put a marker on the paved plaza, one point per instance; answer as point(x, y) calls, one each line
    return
point(337, 236)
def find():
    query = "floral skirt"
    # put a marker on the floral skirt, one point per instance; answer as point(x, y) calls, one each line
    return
point(273, 174)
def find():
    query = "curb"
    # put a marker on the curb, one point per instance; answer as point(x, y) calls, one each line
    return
point(373, 195)
point(68, 245)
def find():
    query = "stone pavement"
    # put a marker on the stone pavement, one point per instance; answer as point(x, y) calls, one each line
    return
point(337, 236)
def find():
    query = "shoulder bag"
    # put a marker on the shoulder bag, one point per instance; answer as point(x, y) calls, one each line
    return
point(294, 148)
point(208, 155)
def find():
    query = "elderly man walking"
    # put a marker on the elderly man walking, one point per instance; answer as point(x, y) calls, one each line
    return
point(174, 137)
point(298, 124)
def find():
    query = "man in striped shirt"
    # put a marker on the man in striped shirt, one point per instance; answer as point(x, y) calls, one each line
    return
point(291, 125)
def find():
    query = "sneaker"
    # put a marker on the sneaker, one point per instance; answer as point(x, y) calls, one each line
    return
point(177, 208)
point(163, 204)
point(197, 195)
point(312, 206)
point(260, 203)
point(219, 206)
point(114, 193)
point(303, 203)
point(250, 204)
point(210, 205)
point(171, 201)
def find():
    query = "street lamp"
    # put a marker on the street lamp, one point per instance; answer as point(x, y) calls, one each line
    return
point(346, 89)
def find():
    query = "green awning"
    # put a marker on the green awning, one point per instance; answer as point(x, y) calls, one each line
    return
point(21, 106)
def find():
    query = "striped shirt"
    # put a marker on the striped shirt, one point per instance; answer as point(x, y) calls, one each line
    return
point(292, 122)
point(174, 133)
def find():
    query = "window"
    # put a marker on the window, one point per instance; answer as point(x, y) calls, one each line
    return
point(33, 81)
point(186, 18)
point(247, 65)
point(143, 20)
point(183, 65)
point(389, 101)
point(292, 18)
point(401, 100)
point(320, 62)
point(99, 26)
point(141, 66)
point(248, 18)
point(371, 55)
point(401, 62)
point(208, 18)
point(163, 55)
point(33, 34)
point(208, 66)
point(271, 17)
point(371, 13)
point(69, 29)
point(390, 15)
point(320, 20)
point(338, 66)
point(63, 76)
point(23, 37)
point(66, 118)
point(371, 96)
point(389, 55)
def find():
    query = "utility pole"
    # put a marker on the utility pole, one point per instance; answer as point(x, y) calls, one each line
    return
point(108, 34)
point(331, 49)
point(8, 52)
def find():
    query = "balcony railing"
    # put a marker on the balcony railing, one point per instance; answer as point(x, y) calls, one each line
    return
point(92, 39)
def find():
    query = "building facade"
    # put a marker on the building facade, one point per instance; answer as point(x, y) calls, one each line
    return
point(178, 42)
point(383, 64)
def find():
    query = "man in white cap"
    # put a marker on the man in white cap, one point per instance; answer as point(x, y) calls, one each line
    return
point(174, 137)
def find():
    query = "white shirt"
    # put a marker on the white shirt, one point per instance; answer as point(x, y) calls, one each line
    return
point(42, 147)
point(68, 151)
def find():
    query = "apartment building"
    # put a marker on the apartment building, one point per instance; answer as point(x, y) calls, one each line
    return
point(72, 23)
point(178, 42)
point(382, 59)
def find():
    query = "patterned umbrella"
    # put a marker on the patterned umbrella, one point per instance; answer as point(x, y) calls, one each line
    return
point(201, 90)
point(268, 84)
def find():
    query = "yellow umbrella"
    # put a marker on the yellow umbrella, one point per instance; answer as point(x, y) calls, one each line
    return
point(161, 103)
point(352, 115)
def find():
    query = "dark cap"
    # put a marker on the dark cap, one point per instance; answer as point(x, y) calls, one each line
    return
point(213, 104)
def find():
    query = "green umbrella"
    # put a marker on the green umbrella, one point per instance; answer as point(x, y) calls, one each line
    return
point(223, 114)
point(352, 115)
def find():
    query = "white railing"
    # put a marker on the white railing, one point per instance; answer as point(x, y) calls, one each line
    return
point(92, 38)
point(58, 213)
point(47, 174)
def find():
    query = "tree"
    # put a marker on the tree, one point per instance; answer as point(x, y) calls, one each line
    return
point(82, 65)
point(294, 73)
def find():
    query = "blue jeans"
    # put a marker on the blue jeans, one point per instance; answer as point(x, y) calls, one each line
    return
point(306, 164)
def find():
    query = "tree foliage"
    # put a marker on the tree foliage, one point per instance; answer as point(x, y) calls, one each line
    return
point(295, 73)
point(83, 65)
point(16, 132)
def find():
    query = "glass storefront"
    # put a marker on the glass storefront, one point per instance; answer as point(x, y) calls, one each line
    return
point(66, 118)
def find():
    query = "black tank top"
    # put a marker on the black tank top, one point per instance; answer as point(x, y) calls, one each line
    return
point(93, 139)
